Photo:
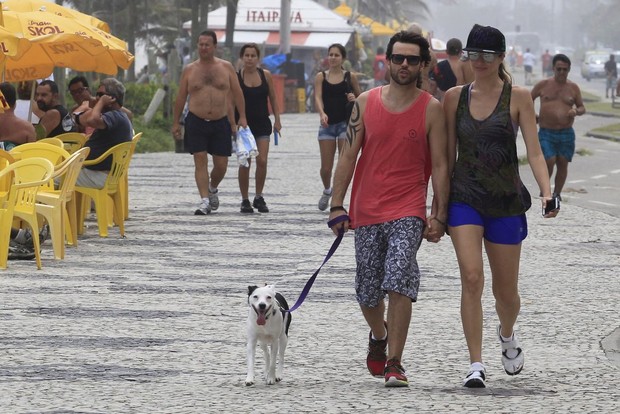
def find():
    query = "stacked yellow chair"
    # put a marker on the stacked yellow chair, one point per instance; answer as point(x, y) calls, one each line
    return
point(53, 153)
point(27, 177)
point(121, 155)
point(58, 206)
point(72, 141)
point(53, 141)
point(5, 160)
point(125, 183)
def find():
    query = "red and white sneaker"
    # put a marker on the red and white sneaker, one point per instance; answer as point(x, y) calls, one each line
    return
point(394, 374)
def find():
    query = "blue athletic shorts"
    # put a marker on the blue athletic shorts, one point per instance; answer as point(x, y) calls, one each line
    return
point(333, 132)
point(557, 142)
point(500, 230)
point(386, 256)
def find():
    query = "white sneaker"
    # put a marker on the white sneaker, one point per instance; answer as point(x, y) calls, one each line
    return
point(324, 201)
point(203, 209)
point(512, 366)
point(214, 200)
point(476, 376)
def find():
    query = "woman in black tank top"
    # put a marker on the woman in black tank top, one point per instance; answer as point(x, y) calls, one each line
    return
point(258, 91)
point(488, 201)
point(333, 88)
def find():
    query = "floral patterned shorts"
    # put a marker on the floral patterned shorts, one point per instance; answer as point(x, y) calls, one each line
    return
point(386, 259)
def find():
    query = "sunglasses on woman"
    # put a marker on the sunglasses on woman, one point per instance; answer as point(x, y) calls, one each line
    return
point(412, 60)
point(486, 56)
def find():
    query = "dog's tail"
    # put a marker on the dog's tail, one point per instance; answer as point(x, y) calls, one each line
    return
point(284, 308)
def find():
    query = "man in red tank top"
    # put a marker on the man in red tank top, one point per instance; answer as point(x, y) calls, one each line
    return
point(400, 131)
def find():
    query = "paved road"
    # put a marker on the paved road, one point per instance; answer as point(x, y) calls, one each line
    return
point(154, 323)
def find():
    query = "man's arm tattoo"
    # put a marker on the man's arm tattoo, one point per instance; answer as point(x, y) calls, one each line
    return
point(354, 124)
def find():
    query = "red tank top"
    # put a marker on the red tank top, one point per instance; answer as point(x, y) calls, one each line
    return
point(390, 179)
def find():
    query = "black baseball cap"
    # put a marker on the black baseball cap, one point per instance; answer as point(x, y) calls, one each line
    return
point(485, 39)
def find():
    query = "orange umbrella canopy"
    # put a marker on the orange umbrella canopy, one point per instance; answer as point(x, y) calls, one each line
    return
point(12, 44)
point(64, 42)
point(48, 7)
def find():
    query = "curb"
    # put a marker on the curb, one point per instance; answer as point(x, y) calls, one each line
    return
point(601, 135)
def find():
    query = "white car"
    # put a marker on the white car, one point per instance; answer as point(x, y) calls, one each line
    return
point(593, 65)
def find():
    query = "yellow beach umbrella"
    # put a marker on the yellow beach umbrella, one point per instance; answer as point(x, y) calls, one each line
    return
point(58, 41)
point(376, 28)
point(49, 7)
point(12, 44)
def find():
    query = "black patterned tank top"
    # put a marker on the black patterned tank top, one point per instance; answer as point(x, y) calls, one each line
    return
point(486, 174)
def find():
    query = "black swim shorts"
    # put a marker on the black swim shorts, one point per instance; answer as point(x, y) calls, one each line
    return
point(214, 137)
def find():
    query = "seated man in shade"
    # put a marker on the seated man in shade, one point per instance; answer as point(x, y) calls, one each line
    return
point(80, 92)
point(111, 127)
point(49, 110)
point(13, 130)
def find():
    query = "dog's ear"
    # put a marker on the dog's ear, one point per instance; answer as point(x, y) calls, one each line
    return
point(251, 289)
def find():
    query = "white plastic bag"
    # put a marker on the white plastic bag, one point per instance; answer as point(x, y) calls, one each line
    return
point(248, 141)
point(239, 150)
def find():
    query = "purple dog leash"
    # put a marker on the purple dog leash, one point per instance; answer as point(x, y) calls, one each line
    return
point(330, 253)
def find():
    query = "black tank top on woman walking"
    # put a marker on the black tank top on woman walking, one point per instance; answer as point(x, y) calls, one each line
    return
point(256, 109)
point(486, 174)
point(335, 99)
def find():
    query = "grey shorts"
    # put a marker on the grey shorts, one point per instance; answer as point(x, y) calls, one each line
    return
point(91, 178)
point(386, 260)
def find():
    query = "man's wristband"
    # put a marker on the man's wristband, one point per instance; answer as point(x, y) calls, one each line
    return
point(443, 223)
point(337, 208)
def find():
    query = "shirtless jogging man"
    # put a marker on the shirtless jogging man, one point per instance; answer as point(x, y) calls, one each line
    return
point(208, 82)
point(560, 103)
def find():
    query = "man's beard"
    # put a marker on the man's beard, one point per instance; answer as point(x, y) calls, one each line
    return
point(42, 105)
point(408, 81)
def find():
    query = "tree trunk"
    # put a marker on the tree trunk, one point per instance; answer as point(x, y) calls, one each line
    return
point(195, 24)
point(231, 15)
point(131, 39)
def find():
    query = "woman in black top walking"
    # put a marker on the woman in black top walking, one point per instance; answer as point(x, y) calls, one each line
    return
point(488, 201)
point(257, 87)
point(333, 89)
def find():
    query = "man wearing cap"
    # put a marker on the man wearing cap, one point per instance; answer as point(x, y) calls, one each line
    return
point(488, 200)
point(560, 103)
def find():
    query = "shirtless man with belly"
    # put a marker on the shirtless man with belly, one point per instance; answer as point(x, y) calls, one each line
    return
point(560, 103)
point(209, 82)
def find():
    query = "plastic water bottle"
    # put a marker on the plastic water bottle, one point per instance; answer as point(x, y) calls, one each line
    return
point(275, 137)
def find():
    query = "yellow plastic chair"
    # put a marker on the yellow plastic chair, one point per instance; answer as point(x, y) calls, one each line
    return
point(58, 206)
point(125, 182)
point(54, 141)
point(28, 176)
point(72, 141)
point(6, 159)
point(54, 153)
point(121, 155)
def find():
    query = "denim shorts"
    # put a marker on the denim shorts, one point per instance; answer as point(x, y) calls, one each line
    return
point(500, 230)
point(333, 132)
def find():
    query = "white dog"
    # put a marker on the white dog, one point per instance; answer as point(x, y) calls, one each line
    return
point(268, 325)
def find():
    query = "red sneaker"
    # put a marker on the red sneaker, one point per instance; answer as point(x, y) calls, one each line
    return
point(395, 374)
point(377, 355)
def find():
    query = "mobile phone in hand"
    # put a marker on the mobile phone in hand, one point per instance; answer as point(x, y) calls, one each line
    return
point(553, 204)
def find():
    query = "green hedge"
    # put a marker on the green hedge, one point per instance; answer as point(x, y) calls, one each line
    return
point(156, 135)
